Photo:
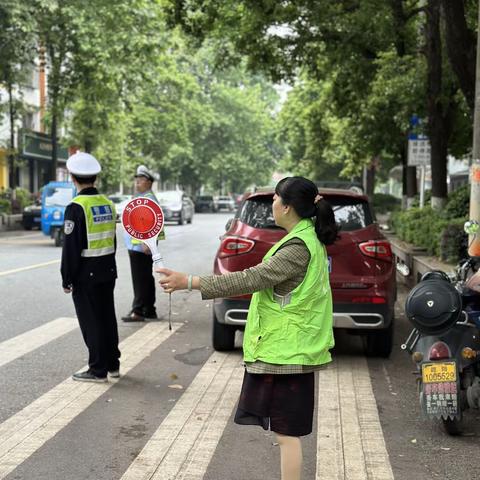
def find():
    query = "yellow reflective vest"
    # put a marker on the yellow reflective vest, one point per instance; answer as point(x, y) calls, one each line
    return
point(100, 221)
point(300, 333)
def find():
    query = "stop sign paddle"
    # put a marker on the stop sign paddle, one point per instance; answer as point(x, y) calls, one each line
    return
point(142, 219)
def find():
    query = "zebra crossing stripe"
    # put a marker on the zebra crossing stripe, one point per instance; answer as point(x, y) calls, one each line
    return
point(185, 442)
point(350, 442)
point(25, 432)
point(26, 342)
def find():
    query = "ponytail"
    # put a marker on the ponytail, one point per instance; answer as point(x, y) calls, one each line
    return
point(325, 226)
point(302, 195)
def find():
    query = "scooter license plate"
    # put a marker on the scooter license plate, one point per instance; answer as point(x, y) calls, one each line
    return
point(439, 372)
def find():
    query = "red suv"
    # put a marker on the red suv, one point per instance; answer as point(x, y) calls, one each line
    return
point(362, 272)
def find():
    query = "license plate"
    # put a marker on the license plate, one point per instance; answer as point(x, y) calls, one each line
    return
point(439, 372)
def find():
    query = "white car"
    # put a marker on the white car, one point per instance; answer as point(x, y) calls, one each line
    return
point(224, 203)
point(177, 206)
point(120, 202)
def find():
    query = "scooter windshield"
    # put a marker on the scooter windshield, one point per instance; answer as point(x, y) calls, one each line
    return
point(473, 283)
point(59, 197)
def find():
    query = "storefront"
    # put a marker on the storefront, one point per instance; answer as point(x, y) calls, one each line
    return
point(35, 153)
point(3, 169)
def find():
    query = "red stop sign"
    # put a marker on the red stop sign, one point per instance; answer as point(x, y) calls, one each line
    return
point(142, 218)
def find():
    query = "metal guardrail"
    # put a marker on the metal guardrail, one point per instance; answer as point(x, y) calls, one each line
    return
point(10, 222)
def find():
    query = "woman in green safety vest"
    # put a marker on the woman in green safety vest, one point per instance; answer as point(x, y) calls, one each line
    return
point(289, 331)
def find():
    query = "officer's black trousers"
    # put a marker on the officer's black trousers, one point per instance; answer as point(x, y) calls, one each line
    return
point(143, 284)
point(98, 323)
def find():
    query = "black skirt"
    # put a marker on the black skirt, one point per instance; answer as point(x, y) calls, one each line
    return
point(281, 403)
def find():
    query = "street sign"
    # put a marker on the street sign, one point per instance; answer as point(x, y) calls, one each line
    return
point(419, 152)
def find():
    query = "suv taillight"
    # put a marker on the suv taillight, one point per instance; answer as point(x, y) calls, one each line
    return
point(377, 249)
point(235, 246)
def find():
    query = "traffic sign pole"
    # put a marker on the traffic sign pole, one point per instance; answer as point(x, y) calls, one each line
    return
point(474, 241)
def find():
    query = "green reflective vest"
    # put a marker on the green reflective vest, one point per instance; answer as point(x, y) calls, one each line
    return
point(301, 332)
point(100, 220)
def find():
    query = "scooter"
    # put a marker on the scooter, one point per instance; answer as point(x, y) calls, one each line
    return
point(445, 342)
point(55, 198)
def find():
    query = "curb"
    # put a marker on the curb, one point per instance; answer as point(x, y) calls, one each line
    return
point(10, 222)
point(416, 260)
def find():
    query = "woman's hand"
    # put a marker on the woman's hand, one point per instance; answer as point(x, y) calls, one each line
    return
point(171, 281)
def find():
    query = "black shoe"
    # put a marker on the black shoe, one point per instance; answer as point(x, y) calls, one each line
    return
point(151, 315)
point(133, 317)
point(88, 376)
point(114, 373)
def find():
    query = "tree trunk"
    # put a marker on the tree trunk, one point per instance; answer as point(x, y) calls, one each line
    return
point(369, 179)
point(460, 43)
point(411, 174)
point(88, 146)
point(54, 94)
point(439, 124)
point(399, 23)
point(12, 177)
point(53, 135)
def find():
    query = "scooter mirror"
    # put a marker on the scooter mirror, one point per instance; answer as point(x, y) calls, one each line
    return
point(471, 227)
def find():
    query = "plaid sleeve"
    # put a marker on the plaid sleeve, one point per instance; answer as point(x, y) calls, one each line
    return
point(289, 262)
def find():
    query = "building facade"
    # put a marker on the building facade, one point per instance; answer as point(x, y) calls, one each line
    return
point(32, 143)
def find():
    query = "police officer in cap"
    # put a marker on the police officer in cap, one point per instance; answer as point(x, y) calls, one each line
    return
point(89, 270)
point(143, 305)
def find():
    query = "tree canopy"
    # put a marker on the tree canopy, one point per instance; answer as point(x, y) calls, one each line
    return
point(369, 65)
point(186, 87)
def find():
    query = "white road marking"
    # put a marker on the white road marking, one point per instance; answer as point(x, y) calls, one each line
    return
point(350, 443)
point(20, 345)
point(185, 442)
point(30, 267)
point(25, 432)
point(23, 241)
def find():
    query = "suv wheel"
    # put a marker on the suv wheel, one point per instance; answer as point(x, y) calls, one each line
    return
point(380, 342)
point(223, 336)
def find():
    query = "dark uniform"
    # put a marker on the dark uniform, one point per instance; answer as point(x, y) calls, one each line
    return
point(141, 264)
point(92, 280)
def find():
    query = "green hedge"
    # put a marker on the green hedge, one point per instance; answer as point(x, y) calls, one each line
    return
point(23, 198)
point(439, 232)
point(5, 206)
point(383, 203)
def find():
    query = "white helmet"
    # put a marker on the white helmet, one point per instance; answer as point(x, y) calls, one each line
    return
point(83, 164)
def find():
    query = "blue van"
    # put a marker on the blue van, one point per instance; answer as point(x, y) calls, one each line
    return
point(55, 197)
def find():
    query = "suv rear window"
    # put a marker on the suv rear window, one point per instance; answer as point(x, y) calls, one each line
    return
point(350, 213)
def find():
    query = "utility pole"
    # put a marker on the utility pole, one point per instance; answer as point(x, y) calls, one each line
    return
point(474, 249)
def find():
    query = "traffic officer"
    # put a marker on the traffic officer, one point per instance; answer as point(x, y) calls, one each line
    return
point(88, 268)
point(143, 305)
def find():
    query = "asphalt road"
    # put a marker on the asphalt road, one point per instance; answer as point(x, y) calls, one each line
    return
point(170, 415)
